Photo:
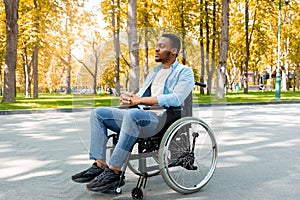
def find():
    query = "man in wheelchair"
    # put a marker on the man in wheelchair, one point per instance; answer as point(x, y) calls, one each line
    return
point(167, 85)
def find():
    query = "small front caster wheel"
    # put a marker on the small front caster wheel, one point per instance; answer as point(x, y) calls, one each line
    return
point(138, 193)
point(118, 190)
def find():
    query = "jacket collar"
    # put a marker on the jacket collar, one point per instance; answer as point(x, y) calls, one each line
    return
point(173, 66)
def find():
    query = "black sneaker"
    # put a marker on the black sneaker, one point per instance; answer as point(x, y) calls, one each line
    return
point(105, 181)
point(87, 175)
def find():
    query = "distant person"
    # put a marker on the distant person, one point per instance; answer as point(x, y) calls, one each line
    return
point(99, 91)
point(110, 91)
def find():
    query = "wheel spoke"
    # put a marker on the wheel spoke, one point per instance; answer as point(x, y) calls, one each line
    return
point(187, 155)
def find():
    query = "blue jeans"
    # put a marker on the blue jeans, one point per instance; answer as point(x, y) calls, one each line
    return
point(129, 123)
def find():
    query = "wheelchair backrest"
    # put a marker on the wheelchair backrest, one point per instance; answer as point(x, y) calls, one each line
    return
point(174, 113)
point(188, 106)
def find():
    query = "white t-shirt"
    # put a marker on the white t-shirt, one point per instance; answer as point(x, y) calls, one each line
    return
point(158, 83)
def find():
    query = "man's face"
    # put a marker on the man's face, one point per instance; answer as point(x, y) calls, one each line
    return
point(163, 50)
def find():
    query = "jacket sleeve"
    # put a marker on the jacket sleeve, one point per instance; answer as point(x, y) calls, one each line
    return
point(182, 88)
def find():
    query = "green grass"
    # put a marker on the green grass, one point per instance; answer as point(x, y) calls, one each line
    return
point(252, 96)
point(46, 101)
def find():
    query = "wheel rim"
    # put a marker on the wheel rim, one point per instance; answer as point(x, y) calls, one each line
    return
point(182, 171)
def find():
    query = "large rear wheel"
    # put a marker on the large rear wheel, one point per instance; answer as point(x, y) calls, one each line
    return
point(188, 155)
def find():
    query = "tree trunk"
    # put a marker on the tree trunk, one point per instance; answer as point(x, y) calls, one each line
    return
point(35, 72)
point(133, 47)
point(11, 10)
point(183, 50)
point(68, 76)
point(146, 20)
point(36, 54)
point(207, 47)
point(95, 67)
point(247, 47)
point(202, 49)
point(27, 73)
point(233, 82)
point(116, 40)
point(183, 34)
point(220, 93)
point(146, 67)
point(213, 46)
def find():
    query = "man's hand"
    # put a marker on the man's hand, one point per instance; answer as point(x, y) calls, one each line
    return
point(129, 99)
point(125, 98)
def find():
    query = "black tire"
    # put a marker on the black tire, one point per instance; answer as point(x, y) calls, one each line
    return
point(183, 171)
point(138, 193)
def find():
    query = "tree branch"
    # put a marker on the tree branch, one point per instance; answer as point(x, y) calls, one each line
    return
point(86, 67)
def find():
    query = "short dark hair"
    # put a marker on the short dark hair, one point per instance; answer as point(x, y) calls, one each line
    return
point(175, 41)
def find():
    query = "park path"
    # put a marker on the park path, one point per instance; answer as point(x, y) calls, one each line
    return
point(259, 148)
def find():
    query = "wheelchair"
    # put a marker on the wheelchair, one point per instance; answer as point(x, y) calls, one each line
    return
point(183, 150)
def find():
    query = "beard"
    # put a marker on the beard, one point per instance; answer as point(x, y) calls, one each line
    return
point(163, 59)
point(158, 60)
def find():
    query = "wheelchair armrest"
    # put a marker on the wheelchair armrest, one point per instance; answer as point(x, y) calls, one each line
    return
point(200, 84)
point(125, 107)
point(153, 107)
point(156, 107)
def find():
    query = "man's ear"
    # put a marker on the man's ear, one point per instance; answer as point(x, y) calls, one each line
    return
point(174, 51)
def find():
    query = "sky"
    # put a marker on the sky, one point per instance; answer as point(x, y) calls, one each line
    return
point(94, 7)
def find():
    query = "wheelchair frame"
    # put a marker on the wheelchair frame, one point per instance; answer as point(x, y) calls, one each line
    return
point(183, 148)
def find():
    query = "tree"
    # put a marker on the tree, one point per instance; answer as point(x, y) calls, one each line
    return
point(210, 66)
point(50, 31)
point(29, 20)
point(146, 37)
point(220, 92)
point(115, 17)
point(71, 25)
point(36, 52)
point(247, 46)
point(11, 11)
point(182, 21)
point(95, 57)
point(215, 39)
point(2, 42)
point(248, 37)
point(147, 22)
point(201, 38)
point(133, 47)
point(295, 42)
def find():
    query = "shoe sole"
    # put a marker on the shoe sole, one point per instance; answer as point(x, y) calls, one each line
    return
point(83, 180)
point(107, 187)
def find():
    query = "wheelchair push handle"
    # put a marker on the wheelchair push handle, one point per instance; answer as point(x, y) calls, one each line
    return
point(200, 84)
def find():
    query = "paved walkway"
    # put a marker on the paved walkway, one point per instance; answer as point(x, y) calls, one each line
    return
point(259, 148)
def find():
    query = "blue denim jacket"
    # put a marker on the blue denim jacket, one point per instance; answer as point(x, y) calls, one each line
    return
point(178, 85)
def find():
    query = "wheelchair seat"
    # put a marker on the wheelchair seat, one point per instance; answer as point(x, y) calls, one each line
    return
point(170, 115)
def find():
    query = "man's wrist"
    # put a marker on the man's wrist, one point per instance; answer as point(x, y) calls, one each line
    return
point(140, 100)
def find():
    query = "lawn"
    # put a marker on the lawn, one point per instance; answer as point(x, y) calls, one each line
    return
point(46, 100)
point(252, 96)
point(81, 101)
